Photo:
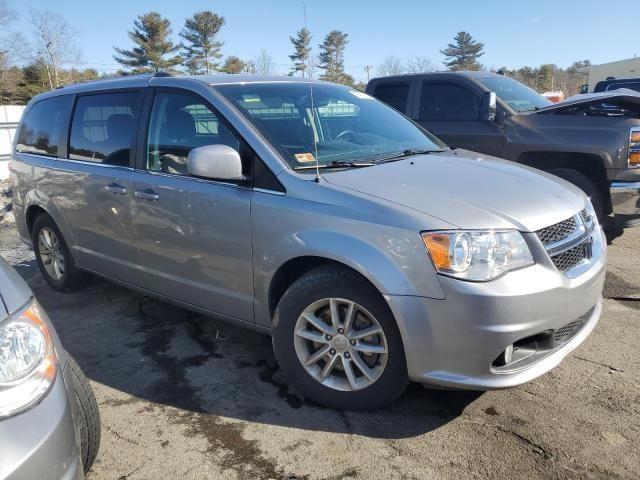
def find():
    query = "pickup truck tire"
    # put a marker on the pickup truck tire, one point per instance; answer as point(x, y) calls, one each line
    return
point(71, 279)
point(345, 385)
point(585, 184)
point(89, 421)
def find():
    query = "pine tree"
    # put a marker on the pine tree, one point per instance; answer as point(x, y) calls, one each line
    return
point(151, 36)
point(202, 49)
point(331, 57)
point(302, 51)
point(234, 64)
point(464, 54)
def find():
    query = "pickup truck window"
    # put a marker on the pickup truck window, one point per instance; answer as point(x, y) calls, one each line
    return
point(103, 128)
point(630, 85)
point(42, 125)
point(518, 96)
point(393, 94)
point(329, 122)
point(448, 102)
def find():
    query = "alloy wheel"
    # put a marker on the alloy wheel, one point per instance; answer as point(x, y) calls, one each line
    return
point(51, 254)
point(340, 344)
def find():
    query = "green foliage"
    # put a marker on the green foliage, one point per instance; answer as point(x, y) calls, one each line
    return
point(302, 51)
point(464, 53)
point(234, 64)
point(202, 49)
point(331, 57)
point(153, 50)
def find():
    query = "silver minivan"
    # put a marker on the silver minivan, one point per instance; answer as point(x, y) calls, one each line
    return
point(371, 252)
point(49, 418)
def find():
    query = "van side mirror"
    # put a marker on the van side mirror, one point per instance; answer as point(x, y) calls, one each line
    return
point(219, 162)
point(489, 106)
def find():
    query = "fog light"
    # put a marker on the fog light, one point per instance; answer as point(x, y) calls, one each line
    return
point(508, 354)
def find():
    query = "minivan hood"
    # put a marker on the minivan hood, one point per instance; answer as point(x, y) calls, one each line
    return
point(468, 190)
point(14, 292)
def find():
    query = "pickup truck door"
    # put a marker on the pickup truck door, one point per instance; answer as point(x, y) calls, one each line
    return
point(452, 111)
point(194, 234)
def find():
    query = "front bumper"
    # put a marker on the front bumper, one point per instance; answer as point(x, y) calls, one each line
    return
point(455, 342)
point(625, 198)
point(41, 442)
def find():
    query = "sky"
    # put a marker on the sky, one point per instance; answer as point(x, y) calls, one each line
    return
point(515, 33)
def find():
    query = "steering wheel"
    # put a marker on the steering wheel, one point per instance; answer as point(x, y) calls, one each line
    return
point(345, 133)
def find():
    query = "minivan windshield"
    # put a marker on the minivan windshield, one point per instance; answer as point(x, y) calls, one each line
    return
point(338, 125)
point(518, 96)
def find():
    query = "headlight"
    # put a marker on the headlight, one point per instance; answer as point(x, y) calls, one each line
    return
point(27, 360)
point(477, 256)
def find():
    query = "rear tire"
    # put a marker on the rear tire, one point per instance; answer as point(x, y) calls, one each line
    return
point(54, 257)
point(346, 385)
point(585, 184)
point(90, 429)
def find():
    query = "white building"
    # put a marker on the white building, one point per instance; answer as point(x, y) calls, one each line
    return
point(629, 68)
point(9, 119)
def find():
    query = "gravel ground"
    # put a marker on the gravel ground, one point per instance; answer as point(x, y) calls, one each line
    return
point(184, 396)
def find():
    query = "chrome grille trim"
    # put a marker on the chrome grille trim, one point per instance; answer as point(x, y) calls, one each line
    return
point(569, 243)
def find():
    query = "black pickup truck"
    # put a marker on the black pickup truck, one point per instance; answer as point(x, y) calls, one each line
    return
point(591, 140)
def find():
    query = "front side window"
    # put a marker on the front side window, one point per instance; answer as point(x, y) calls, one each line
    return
point(42, 126)
point(518, 96)
point(179, 123)
point(330, 123)
point(103, 128)
point(448, 102)
point(393, 94)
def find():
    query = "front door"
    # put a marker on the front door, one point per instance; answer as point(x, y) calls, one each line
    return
point(194, 234)
point(452, 112)
point(92, 184)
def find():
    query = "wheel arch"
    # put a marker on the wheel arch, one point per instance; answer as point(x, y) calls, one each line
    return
point(589, 164)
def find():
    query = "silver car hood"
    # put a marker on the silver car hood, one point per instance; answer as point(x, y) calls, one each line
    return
point(14, 292)
point(468, 190)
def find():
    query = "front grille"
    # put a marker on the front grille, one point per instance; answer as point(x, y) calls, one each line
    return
point(572, 257)
point(557, 232)
point(565, 333)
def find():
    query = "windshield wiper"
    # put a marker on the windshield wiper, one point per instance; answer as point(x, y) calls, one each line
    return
point(405, 153)
point(334, 164)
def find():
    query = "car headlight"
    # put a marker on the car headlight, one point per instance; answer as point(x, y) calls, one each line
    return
point(27, 360)
point(477, 256)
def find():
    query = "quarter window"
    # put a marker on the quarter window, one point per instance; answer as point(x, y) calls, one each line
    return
point(42, 126)
point(448, 102)
point(103, 128)
point(393, 94)
point(179, 123)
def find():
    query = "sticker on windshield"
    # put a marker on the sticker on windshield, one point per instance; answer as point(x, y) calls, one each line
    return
point(305, 157)
point(250, 98)
point(361, 95)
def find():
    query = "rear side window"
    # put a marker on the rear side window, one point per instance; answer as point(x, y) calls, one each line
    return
point(103, 128)
point(393, 94)
point(42, 126)
point(448, 102)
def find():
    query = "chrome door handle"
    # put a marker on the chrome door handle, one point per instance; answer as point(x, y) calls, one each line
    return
point(147, 194)
point(115, 188)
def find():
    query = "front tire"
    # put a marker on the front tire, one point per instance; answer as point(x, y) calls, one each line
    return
point(585, 184)
point(337, 342)
point(54, 257)
point(89, 421)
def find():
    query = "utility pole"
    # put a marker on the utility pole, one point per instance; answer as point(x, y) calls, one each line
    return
point(367, 68)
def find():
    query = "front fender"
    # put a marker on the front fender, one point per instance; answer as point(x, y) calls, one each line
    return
point(393, 259)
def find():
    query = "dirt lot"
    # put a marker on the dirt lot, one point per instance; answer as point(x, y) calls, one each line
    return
point(184, 396)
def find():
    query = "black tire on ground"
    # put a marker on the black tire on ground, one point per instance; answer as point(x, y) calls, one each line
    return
point(72, 279)
point(585, 184)
point(89, 420)
point(336, 282)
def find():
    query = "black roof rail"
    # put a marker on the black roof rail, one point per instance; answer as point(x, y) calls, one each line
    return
point(162, 74)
